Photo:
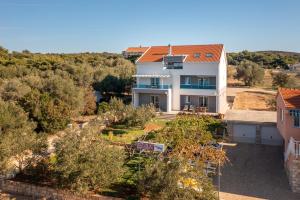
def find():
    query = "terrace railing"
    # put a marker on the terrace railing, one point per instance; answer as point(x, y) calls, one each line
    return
point(196, 86)
point(144, 86)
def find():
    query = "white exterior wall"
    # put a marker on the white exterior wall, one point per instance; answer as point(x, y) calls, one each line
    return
point(217, 69)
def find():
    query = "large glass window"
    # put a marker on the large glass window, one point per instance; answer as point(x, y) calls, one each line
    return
point(187, 99)
point(154, 81)
point(203, 81)
point(203, 101)
point(187, 80)
point(173, 62)
point(297, 121)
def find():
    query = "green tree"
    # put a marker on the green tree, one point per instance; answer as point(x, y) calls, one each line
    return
point(89, 102)
point(19, 145)
point(50, 114)
point(86, 162)
point(250, 72)
point(175, 180)
point(282, 79)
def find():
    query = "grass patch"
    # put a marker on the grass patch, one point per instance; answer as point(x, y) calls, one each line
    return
point(123, 135)
point(127, 135)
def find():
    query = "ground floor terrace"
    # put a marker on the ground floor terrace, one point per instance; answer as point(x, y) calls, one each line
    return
point(163, 101)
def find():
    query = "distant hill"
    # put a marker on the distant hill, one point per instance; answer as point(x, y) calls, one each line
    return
point(282, 53)
point(266, 59)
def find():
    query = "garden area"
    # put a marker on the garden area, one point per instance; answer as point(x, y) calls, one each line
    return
point(106, 160)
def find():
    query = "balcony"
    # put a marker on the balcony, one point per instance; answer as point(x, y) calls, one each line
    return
point(196, 86)
point(143, 86)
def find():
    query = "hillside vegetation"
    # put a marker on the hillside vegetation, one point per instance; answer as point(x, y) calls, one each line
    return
point(52, 88)
point(266, 59)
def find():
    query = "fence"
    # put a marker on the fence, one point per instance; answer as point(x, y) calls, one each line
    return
point(35, 192)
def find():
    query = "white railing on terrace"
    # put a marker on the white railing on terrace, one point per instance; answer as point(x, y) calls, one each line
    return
point(293, 148)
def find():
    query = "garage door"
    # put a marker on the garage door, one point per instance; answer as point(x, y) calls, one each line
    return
point(270, 136)
point(244, 133)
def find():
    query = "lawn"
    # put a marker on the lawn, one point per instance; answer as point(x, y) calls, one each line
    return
point(126, 135)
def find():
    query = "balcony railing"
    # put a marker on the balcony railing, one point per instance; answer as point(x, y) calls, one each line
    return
point(195, 86)
point(293, 148)
point(144, 86)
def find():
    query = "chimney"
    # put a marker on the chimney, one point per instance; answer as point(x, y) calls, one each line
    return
point(170, 50)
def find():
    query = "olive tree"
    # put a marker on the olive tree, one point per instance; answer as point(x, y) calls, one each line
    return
point(86, 162)
point(250, 72)
point(19, 145)
point(282, 79)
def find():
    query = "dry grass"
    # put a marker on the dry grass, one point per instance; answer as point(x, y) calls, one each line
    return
point(251, 100)
point(267, 82)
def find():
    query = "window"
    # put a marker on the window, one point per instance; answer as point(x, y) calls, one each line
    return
point(203, 101)
point(209, 55)
point(196, 55)
point(173, 62)
point(187, 80)
point(187, 99)
point(281, 114)
point(154, 81)
point(297, 121)
point(154, 99)
point(203, 81)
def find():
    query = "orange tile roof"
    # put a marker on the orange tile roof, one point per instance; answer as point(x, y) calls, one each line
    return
point(136, 49)
point(156, 53)
point(291, 97)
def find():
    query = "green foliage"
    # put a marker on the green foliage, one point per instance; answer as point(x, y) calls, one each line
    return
point(89, 102)
point(85, 162)
point(265, 59)
point(128, 115)
point(103, 107)
point(250, 73)
point(282, 79)
point(189, 137)
point(65, 78)
point(13, 118)
point(175, 180)
point(50, 114)
point(18, 142)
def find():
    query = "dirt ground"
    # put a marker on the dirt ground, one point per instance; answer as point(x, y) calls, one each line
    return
point(267, 82)
point(254, 100)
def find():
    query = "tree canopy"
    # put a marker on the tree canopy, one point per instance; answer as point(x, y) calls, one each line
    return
point(52, 88)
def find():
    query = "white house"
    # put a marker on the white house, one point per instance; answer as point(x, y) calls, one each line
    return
point(187, 77)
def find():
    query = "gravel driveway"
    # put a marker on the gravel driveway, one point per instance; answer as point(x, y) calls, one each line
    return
point(255, 172)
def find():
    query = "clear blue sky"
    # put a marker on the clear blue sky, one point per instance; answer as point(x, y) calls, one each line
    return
point(113, 25)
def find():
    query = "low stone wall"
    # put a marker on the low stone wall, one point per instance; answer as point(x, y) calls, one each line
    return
point(38, 192)
point(292, 167)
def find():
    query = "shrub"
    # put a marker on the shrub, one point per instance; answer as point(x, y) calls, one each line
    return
point(85, 162)
point(17, 139)
point(89, 102)
point(250, 72)
point(118, 112)
point(282, 79)
point(175, 180)
point(103, 107)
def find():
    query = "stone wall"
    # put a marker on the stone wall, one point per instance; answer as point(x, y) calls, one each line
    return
point(37, 192)
point(292, 167)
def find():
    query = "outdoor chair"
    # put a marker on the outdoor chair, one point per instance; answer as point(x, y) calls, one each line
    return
point(192, 108)
point(186, 108)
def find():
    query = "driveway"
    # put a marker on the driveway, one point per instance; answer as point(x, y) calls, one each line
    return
point(255, 172)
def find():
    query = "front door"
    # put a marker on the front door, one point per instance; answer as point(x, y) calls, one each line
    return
point(154, 99)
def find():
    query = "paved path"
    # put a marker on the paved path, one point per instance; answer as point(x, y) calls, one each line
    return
point(255, 172)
